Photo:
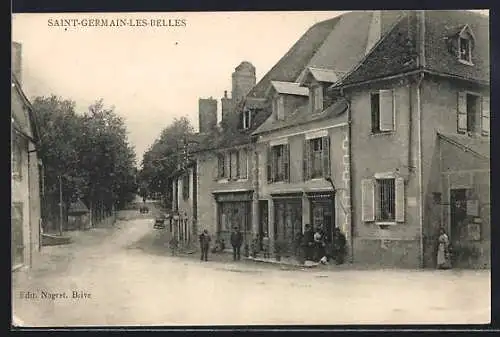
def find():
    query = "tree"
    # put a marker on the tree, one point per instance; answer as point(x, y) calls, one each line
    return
point(163, 157)
point(89, 152)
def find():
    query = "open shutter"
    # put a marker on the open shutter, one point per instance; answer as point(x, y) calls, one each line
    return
point(485, 115)
point(400, 199)
point(386, 110)
point(462, 112)
point(286, 161)
point(326, 156)
point(368, 200)
point(269, 165)
point(306, 162)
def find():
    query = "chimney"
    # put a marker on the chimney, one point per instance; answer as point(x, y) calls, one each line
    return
point(375, 30)
point(16, 60)
point(227, 105)
point(243, 81)
point(207, 113)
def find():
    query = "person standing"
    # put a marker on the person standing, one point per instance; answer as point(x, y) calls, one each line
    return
point(205, 245)
point(265, 245)
point(308, 242)
point(318, 244)
point(339, 246)
point(442, 251)
point(236, 241)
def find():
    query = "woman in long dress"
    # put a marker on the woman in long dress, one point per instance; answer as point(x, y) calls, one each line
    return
point(442, 253)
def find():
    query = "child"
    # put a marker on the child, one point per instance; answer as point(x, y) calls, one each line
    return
point(265, 245)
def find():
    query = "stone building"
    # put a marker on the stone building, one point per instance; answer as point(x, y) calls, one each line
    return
point(25, 172)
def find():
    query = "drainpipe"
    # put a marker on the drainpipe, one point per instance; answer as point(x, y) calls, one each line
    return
point(421, 60)
point(30, 238)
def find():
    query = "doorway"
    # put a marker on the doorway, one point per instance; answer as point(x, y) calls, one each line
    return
point(322, 214)
point(458, 215)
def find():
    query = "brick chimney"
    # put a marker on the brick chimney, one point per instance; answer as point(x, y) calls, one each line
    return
point(207, 113)
point(380, 23)
point(16, 60)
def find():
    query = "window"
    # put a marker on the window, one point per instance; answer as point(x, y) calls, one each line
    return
point(465, 49)
point(278, 107)
point(278, 163)
point(383, 199)
point(16, 156)
point(468, 113)
point(243, 157)
point(221, 166)
point(185, 186)
point(316, 98)
point(317, 158)
point(247, 118)
point(485, 116)
point(234, 164)
point(382, 108)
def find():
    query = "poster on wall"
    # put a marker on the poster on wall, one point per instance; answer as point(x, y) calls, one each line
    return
point(474, 231)
point(473, 207)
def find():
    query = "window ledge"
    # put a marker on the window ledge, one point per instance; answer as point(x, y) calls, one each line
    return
point(385, 223)
point(222, 180)
point(465, 62)
point(382, 133)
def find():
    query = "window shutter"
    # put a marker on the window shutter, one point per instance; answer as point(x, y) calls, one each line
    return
point(269, 165)
point(326, 156)
point(462, 112)
point(386, 110)
point(485, 115)
point(368, 200)
point(227, 162)
point(237, 163)
point(306, 160)
point(400, 199)
point(286, 161)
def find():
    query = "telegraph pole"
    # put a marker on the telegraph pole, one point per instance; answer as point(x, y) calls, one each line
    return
point(60, 207)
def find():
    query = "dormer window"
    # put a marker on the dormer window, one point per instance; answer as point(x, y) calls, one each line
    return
point(464, 47)
point(316, 98)
point(278, 108)
point(247, 119)
point(464, 44)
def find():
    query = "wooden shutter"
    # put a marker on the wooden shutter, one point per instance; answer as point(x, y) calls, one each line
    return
point(237, 164)
point(326, 156)
point(462, 112)
point(269, 164)
point(485, 115)
point(400, 199)
point(386, 110)
point(286, 161)
point(306, 162)
point(368, 200)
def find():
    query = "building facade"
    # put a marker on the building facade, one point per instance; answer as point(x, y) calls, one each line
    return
point(25, 173)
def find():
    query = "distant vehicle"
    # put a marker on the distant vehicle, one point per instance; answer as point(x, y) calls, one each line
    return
point(160, 221)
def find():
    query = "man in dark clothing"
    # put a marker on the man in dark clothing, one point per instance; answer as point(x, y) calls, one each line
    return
point(205, 245)
point(236, 241)
point(308, 242)
point(339, 245)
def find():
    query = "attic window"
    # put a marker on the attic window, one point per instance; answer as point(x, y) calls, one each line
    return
point(278, 108)
point(247, 119)
point(464, 47)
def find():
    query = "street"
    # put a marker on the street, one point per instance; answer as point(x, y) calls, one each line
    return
point(120, 280)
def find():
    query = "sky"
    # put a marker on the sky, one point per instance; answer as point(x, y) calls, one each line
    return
point(150, 74)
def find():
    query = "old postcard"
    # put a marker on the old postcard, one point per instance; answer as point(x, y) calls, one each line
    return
point(250, 168)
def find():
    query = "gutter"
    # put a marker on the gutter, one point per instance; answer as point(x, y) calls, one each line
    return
point(349, 151)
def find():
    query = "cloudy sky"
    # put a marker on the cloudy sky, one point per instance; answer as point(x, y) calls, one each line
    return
point(151, 74)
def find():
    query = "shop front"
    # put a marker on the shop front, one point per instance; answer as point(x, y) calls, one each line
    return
point(287, 220)
point(322, 213)
point(234, 209)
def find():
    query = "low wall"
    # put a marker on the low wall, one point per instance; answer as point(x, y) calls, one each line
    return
point(387, 254)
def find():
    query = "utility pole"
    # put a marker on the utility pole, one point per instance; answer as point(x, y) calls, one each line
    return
point(60, 206)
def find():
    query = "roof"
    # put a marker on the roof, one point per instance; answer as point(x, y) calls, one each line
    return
point(302, 115)
point(289, 88)
point(16, 85)
point(478, 145)
point(78, 207)
point(397, 53)
point(320, 75)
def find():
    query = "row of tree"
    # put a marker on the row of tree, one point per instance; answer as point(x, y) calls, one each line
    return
point(86, 156)
point(162, 159)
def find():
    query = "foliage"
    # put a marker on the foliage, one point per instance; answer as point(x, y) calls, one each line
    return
point(89, 151)
point(162, 159)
